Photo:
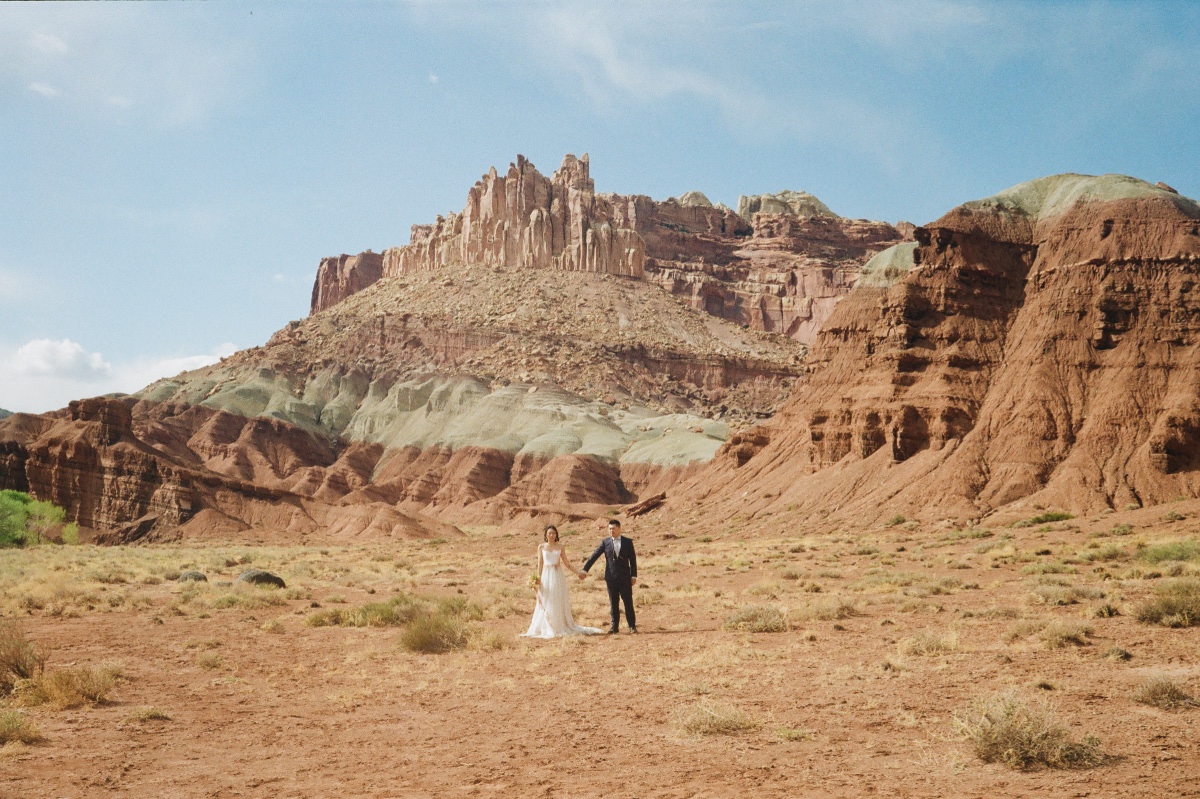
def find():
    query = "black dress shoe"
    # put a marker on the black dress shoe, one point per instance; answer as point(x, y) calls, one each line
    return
point(613, 631)
point(633, 630)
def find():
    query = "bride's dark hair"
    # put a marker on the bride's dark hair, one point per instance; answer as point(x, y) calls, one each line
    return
point(546, 533)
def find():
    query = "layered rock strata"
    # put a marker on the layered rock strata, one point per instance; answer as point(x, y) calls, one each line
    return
point(1037, 348)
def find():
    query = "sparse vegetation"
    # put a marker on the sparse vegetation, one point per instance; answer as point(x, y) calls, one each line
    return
point(15, 727)
point(67, 688)
point(758, 619)
point(1046, 518)
point(835, 608)
point(710, 718)
point(149, 714)
point(930, 643)
point(1064, 633)
point(1183, 549)
point(1163, 692)
point(1175, 604)
point(19, 658)
point(1023, 734)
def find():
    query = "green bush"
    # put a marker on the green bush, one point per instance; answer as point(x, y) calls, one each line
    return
point(1183, 549)
point(1176, 604)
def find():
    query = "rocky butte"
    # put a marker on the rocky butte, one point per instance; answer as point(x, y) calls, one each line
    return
point(547, 351)
point(552, 352)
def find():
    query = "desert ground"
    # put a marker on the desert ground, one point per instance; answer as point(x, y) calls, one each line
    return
point(879, 644)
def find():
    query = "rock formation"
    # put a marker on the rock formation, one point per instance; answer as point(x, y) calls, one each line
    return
point(338, 278)
point(779, 264)
point(1039, 347)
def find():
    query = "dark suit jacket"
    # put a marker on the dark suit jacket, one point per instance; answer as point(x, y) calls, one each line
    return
point(616, 568)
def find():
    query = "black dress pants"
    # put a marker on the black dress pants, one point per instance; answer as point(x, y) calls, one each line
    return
point(621, 591)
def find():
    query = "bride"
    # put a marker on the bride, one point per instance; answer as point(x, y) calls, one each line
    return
point(552, 617)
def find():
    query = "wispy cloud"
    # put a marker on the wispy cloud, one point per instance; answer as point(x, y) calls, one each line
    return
point(44, 374)
point(169, 66)
point(44, 89)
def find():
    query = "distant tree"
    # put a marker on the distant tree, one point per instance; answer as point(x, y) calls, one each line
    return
point(44, 517)
point(14, 513)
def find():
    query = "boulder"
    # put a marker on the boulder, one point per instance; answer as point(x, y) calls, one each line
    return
point(260, 577)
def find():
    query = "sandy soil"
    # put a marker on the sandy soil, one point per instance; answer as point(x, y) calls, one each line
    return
point(262, 705)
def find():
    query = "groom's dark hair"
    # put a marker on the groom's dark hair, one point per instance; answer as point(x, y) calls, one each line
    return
point(617, 522)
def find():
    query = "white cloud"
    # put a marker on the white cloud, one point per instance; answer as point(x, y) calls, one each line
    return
point(46, 44)
point(45, 374)
point(44, 357)
point(433, 78)
point(44, 89)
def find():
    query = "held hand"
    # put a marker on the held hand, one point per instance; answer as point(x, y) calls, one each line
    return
point(633, 581)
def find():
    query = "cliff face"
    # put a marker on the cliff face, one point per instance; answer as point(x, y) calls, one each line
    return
point(780, 265)
point(1037, 347)
point(341, 276)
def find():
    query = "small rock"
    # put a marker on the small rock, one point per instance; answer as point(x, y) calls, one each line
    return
point(191, 577)
point(260, 577)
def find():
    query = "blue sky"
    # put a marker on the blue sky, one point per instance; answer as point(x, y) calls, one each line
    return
point(171, 174)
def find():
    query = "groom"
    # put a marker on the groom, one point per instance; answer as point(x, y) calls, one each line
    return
point(620, 573)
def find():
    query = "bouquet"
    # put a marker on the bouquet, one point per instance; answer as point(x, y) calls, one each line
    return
point(535, 582)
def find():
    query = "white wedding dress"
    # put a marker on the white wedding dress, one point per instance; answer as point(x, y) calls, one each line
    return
point(552, 617)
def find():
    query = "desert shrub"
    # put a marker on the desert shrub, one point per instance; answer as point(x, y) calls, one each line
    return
point(1063, 633)
point(393, 612)
point(68, 688)
point(834, 608)
point(1162, 692)
point(1021, 734)
point(209, 660)
point(19, 658)
point(149, 714)
point(1183, 549)
point(1106, 610)
point(929, 643)
point(15, 727)
point(1175, 604)
point(249, 598)
point(1107, 553)
point(1053, 567)
point(896, 520)
point(1058, 595)
point(797, 734)
point(711, 718)
point(1173, 516)
point(1050, 516)
point(434, 633)
point(1118, 653)
point(758, 619)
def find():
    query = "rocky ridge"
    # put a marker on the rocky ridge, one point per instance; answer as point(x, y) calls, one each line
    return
point(779, 264)
point(1039, 348)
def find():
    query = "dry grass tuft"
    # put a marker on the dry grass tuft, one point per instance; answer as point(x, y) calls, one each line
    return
point(1023, 734)
point(67, 688)
point(797, 734)
point(930, 643)
point(834, 608)
point(434, 633)
point(19, 658)
point(1063, 633)
point(149, 714)
point(209, 660)
point(758, 619)
point(1176, 604)
point(712, 718)
point(1163, 692)
point(14, 727)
